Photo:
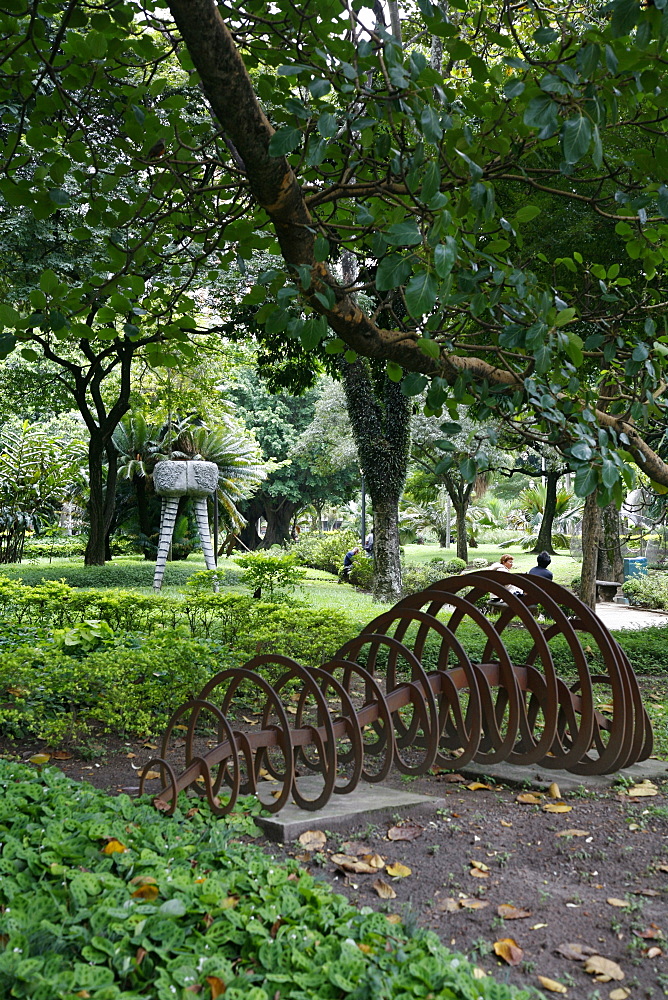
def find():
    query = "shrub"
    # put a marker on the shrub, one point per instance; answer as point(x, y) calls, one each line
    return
point(479, 563)
point(273, 573)
point(73, 920)
point(455, 565)
point(650, 591)
point(361, 574)
point(325, 551)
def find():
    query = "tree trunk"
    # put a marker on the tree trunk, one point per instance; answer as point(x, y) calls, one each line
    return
point(97, 533)
point(380, 421)
point(248, 535)
point(462, 541)
point(544, 540)
point(610, 562)
point(590, 531)
point(278, 514)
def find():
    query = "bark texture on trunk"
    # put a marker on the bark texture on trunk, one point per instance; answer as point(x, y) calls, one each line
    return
point(462, 540)
point(544, 540)
point(590, 533)
point(610, 562)
point(380, 422)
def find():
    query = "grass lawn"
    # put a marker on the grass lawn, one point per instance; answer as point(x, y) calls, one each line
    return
point(563, 565)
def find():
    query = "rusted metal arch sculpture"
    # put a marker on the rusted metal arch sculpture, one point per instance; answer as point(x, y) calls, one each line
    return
point(377, 702)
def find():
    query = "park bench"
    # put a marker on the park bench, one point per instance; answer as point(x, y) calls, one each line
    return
point(608, 590)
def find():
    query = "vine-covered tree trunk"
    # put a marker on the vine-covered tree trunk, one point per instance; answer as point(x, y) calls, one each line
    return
point(278, 513)
point(591, 522)
point(610, 564)
point(544, 540)
point(380, 420)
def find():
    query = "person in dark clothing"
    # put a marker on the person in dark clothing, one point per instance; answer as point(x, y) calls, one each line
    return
point(543, 560)
point(348, 562)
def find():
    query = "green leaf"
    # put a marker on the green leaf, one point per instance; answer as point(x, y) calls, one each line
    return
point(527, 213)
point(48, 281)
point(413, 384)
point(543, 357)
point(431, 126)
point(445, 255)
point(451, 427)
point(395, 372)
point(173, 908)
point(625, 15)
point(541, 111)
point(8, 315)
point(564, 316)
point(138, 113)
point(319, 88)
point(321, 248)
point(335, 346)
point(284, 141)
point(586, 481)
point(575, 138)
point(468, 469)
point(582, 451)
point(610, 473)
point(429, 347)
point(59, 197)
point(420, 293)
point(513, 88)
point(393, 271)
point(327, 125)
point(404, 234)
point(7, 344)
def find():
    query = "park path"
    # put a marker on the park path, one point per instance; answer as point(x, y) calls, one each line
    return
point(618, 616)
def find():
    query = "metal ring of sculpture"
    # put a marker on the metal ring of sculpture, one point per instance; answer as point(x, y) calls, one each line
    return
point(428, 682)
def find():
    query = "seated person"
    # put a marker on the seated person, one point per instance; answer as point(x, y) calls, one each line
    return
point(543, 560)
point(505, 564)
point(348, 562)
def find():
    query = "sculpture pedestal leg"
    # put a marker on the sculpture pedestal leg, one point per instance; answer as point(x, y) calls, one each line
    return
point(170, 508)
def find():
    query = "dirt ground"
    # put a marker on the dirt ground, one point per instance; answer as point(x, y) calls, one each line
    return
point(524, 890)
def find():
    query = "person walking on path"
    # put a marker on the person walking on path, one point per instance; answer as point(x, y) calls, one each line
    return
point(543, 560)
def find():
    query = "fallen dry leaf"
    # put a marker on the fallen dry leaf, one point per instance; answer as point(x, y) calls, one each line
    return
point(354, 847)
point(556, 807)
point(510, 912)
point(659, 868)
point(114, 847)
point(448, 905)
point(149, 775)
point(553, 791)
point(613, 901)
point(651, 932)
point(646, 787)
point(573, 833)
point(374, 860)
point(408, 831)
point(251, 722)
point(478, 873)
point(621, 993)
point(603, 969)
point(217, 986)
point(40, 758)
point(313, 840)
point(646, 892)
point(61, 755)
point(148, 892)
point(478, 973)
point(528, 798)
point(552, 985)
point(509, 950)
point(350, 864)
point(654, 952)
point(504, 823)
point(452, 778)
point(397, 870)
point(475, 786)
point(384, 889)
point(480, 865)
point(365, 948)
point(470, 903)
point(393, 918)
point(576, 952)
point(536, 927)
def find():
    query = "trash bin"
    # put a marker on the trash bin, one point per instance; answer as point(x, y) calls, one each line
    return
point(635, 567)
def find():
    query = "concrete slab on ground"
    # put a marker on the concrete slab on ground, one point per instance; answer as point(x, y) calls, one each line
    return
point(368, 803)
point(541, 778)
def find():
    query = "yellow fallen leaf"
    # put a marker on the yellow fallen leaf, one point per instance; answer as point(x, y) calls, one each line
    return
point(528, 798)
point(553, 791)
point(61, 755)
point(478, 973)
point(603, 969)
point(573, 833)
point(509, 950)
point(478, 873)
point(393, 918)
point(480, 865)
point(149, 775)
point(114, 847)
point(397, 870)
point(374, 860)
point(654, 952)
point(503, 823)
point(613, 901)
point(217, 986)
point(228, 903)
point(621, 993)
point(552, 985)
point(510, 912)
point(148, 892)
point(644, 788)
point(469, 903)
point(477, 785)
point(40, 758)
point(556, 807)
point(537, 927)
point(448, 905)
point(351, 864)
point(313, 840)
point(384, 889)
point(251, 722)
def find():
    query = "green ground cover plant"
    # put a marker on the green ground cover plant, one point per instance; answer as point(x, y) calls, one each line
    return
point(101, 897)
